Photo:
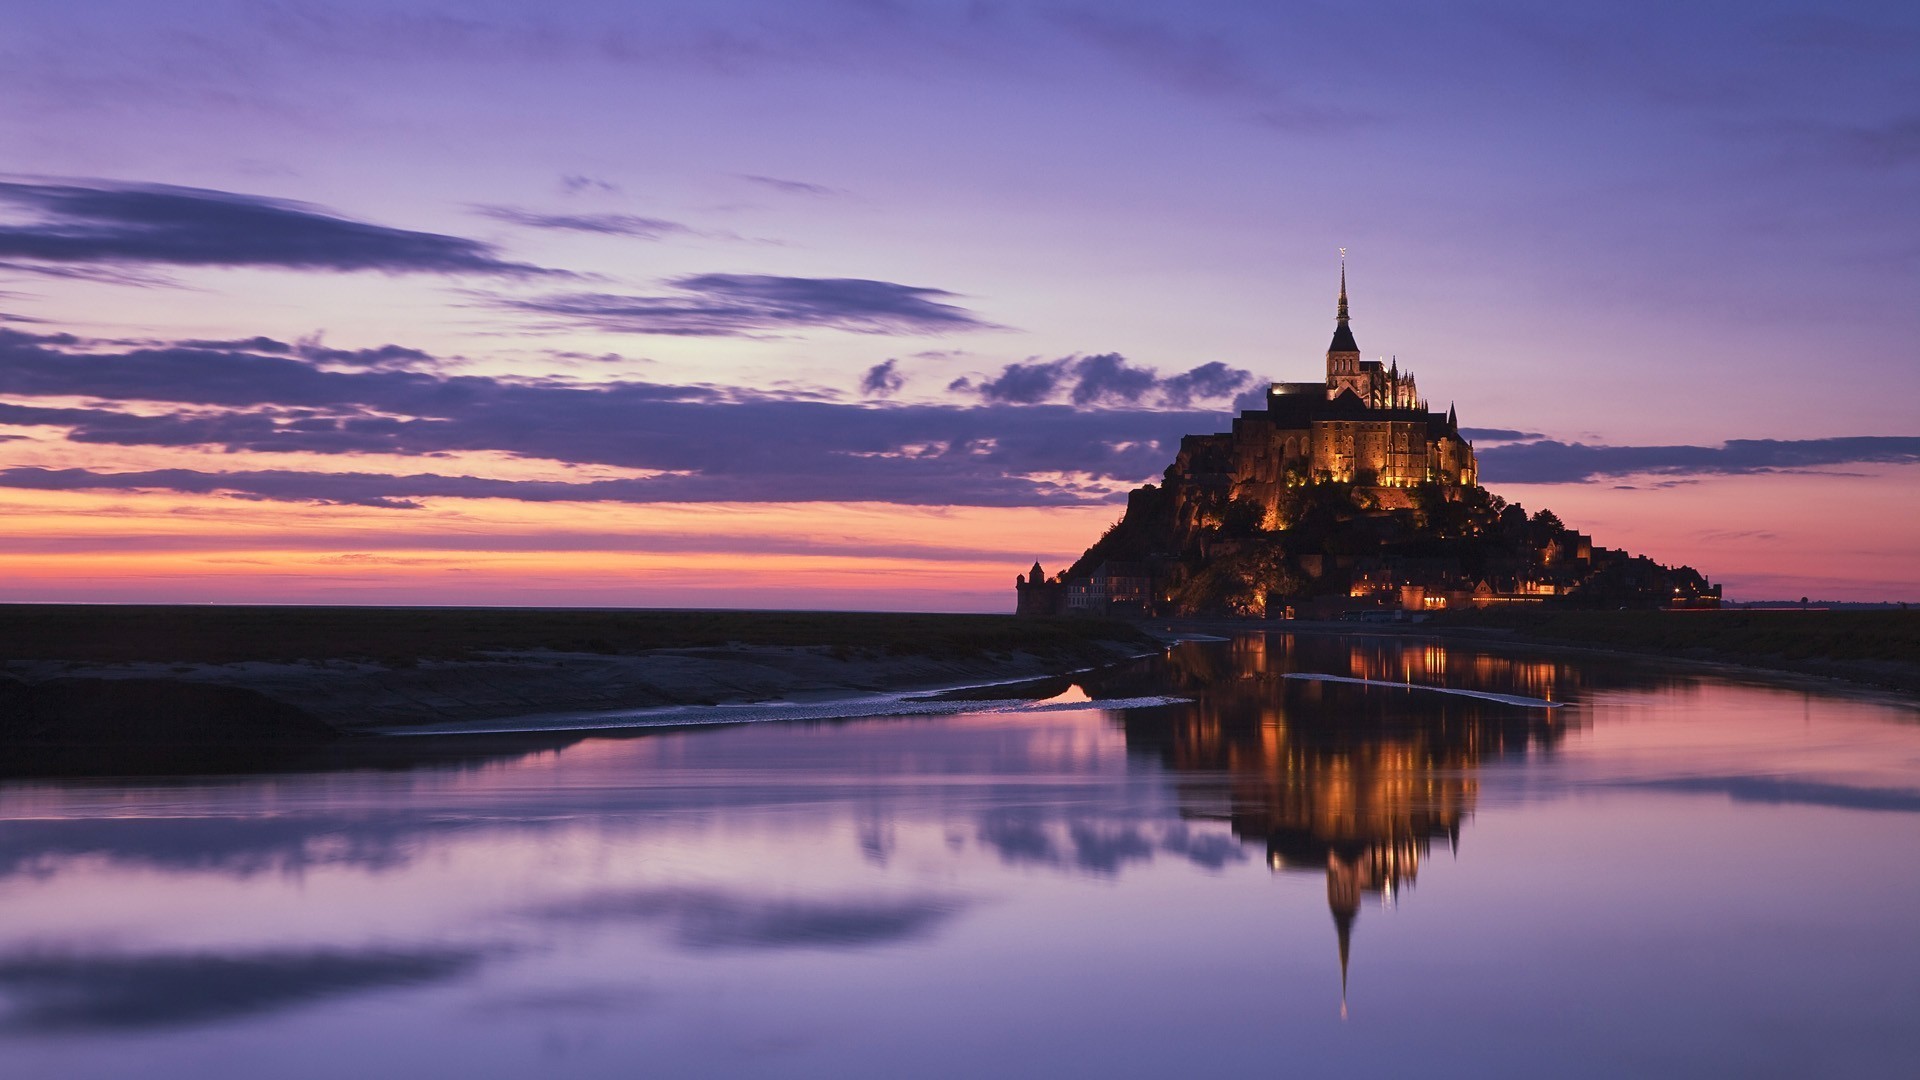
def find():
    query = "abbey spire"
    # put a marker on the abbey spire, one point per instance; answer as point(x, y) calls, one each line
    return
point(1342, 333)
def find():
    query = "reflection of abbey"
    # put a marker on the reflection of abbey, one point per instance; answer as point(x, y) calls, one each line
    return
point(1365, 424)
point(1344, 494)
point(1338, 780)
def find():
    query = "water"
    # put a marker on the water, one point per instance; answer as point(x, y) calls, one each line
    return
point(1673, 873)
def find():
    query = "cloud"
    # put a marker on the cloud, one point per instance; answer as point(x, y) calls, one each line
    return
point(1209, 381)
point(62, 992)
point(717, 919)
point(1105, 379)
point(83, 225)
point(104, 275)
point(706, 444)
point(1552, 462)
point(578, 183)
point(258, 343)
point(882, 379)
point(383, 356)
point(641, 228)
point(1494, 434)
point(1024, 383)
point(791, 187)
point(734, 304)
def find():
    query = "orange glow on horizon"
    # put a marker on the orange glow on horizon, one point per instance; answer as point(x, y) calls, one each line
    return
point(1767, 536)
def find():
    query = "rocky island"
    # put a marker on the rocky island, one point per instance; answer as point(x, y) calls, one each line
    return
point(1344, 496)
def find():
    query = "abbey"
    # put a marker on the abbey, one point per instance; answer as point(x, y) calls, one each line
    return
point(1365, 424)
point(1342, 495)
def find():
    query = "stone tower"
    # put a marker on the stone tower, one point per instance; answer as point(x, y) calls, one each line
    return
point(1343, 356)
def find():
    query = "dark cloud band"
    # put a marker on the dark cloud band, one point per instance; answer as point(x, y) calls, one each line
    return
point(1550, 462)
point(707, 305)
point(92, 223)
point(704, 444)
point(630, 225)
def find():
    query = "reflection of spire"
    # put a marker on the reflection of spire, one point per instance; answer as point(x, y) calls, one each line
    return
point(1343, 898)
point(1343, 923)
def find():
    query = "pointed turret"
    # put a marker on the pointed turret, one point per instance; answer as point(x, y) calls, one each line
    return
point(1453, 418)
point(1342, 333)
point(1343, 356)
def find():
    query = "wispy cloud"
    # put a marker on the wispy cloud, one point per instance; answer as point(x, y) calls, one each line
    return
point(1550, 462)
point(792, 187)
point(79, 226)
point(706, 305)
point(581, 184)
point(1493, 434)
point(719, 919)
point(631, 225)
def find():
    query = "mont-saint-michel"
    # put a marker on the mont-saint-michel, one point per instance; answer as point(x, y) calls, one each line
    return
point(1347, 494)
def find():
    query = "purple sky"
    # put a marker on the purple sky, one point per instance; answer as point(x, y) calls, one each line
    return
point(601, 258)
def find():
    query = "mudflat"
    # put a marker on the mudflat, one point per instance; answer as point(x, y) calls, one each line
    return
point(156, 675)
point(1878, 648)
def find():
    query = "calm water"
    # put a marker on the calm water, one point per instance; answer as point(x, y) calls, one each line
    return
point(1673, 874)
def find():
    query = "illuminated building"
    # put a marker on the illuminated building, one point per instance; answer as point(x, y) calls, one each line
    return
point(1364, 424)
point(1344, 497)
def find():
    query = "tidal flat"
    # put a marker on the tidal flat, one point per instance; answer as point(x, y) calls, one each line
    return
point(176, 688)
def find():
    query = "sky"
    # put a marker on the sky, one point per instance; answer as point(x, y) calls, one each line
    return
point(871, 304)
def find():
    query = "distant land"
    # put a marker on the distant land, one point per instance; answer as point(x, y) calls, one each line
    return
point(1345, 494)
point(1871, 645)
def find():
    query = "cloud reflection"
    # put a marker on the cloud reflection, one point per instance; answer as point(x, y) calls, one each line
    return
point(718, 919)
point(1029, 835)
point(53, 992)
point(1776, 791)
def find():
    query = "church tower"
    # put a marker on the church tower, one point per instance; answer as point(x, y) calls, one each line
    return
point(1343, 356)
